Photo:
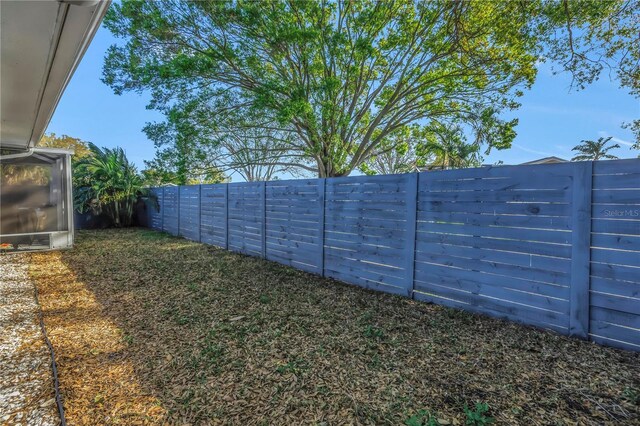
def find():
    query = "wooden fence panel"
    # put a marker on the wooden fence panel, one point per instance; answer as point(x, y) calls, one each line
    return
point(190, 212)
point(171, 214)
point(246, 217)
point(213, 214)
point(497, 240)
point(366, 232)
point(615, 254)
point(293, 229)
point(154, 208)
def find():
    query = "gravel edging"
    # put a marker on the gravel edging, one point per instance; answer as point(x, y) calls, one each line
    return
point(26, 391)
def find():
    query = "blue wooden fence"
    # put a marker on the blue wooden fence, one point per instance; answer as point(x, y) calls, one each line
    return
point(555, 246)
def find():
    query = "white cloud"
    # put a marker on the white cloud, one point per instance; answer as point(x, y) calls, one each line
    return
point(533, 151)
point(614, 139)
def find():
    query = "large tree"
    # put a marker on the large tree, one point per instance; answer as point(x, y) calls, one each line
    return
point(345, 76)
point(181, 158)
point(205, 135)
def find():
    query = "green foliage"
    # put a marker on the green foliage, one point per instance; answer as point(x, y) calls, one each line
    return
point(264, 299)
point(179, 159)
point(373, 332)
point(296, 367)
point(422, 418)
point(594, 150)
point(632, 395)
point(159, 173)
point(589, 37)
point(80, 147)
point(343, 77)
point(403, 152)
point(478, 416)
point(592, 38)
point(106, 182)
point(450, 149)
point(21, 174)
point(634, 126)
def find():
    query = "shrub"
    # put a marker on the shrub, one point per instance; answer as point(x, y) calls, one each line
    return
point(106, 182)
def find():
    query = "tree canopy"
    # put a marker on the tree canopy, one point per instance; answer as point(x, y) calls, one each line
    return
point(345, 78)
point(180, 158)
point(80, 147)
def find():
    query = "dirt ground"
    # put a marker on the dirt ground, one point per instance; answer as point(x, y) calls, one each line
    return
point(152, 329)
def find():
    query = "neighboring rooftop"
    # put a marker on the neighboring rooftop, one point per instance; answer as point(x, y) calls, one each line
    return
point(547, 160)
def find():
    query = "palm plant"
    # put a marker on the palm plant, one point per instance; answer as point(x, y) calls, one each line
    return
point(106, 182)
point(594, 150)
point(453, 154)
point(447, 147)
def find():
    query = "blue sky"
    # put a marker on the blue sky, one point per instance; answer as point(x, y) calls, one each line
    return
point(552, 119)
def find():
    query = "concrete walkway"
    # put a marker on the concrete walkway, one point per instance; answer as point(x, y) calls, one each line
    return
point(26, 383)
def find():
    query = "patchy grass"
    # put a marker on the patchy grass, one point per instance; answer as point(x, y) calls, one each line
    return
point(154, 329)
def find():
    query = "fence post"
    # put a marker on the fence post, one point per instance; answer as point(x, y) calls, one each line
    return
point(264, 218)
point(226, 216)
point(200, 213)
point(178, 209)
point(322, 185)
point(411, 183)
point(162, 212)
point(581, 250)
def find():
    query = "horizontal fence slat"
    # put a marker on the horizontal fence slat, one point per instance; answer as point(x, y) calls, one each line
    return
point(444, 275)
point(496, 207)
point(515, 271)
point(511, 258)
point(364, 282)
point(516, 246)
point(497, 305)
point(615, 167)
point(549, 171)
point(333, 237)
point(624, 319)
point(616, 272)
point(547, 196)
point(616, 303)
point(616, 332)
point(614, 287)
point(537, 222)
point(510, 233)
point(504, 183)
